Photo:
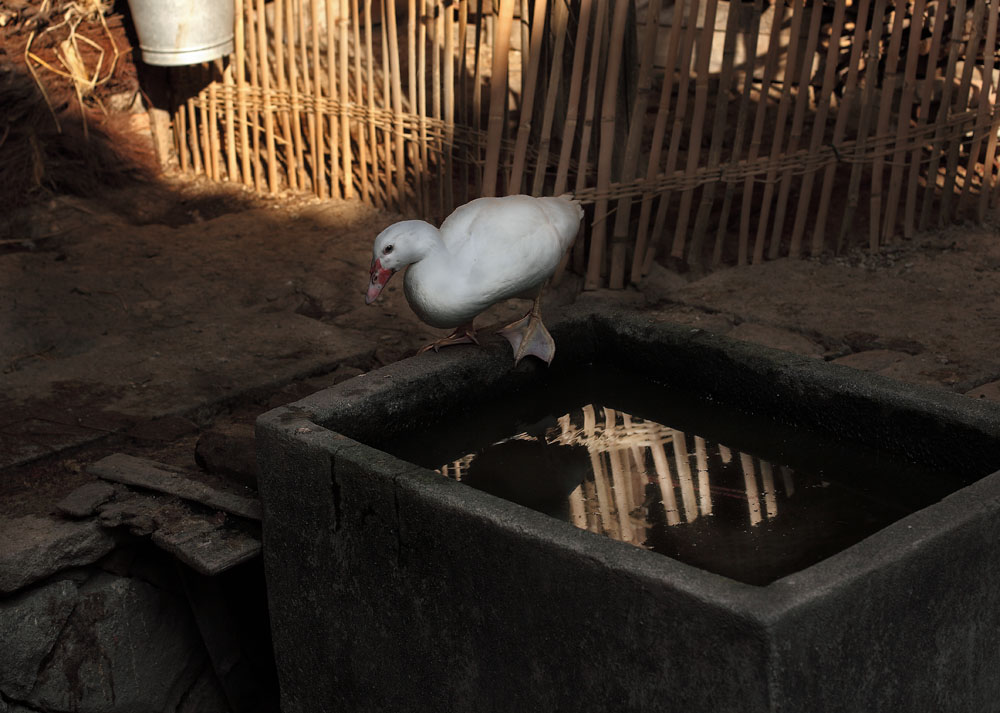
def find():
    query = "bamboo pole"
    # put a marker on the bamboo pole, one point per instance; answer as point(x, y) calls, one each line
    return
point(293, 83)
point(767, 481)
point(336, 95)
point(423, 178)
point(680, 115)
point(412, 21)
point(307, 164)
point(477, 91)
point(961, 106)
point(704, 54)
point(448, 22)
point(346, 153)
point(528, 99)
point(867, 103)
point(559, 30)
point(583, 163)
point(701, 461)
point(620, 234)
point(367, 174)
point(777, 143)
point(399, 164)
point(991, 145)
point(819, 126)
point(319, 144)
point(982, 115)
point(391, 195)
point(572, 105)
point(656, 143)
point(595, 265)
point(620, 493)
point(923, 116)
point(750, 484)
point(180, 121)
point(265, 86)
point(904, 119)
point(840, 126)
point(281, 49)
point(944, 111)
point(682, 463)
point(753, 37)
point(380, 183)
point(232, 165)
point(798, 119)
point(885, 99)
point(498, 96)
point(665, 484)
point(209, 115)
point(464, 178)
point(241, 91)
point(718, 132)
point(770, 68)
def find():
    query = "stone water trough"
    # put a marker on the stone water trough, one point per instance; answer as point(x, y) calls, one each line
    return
point(392, 587)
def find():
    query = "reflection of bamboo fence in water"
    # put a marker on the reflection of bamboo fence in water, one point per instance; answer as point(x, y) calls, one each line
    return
point(627, 453)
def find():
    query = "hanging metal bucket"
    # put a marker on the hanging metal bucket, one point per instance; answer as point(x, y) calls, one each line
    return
point(179, 32)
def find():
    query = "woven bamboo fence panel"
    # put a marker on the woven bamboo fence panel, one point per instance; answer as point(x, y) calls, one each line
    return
point(706, 131)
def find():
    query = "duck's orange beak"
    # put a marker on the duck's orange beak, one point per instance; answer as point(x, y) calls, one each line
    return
point(379, 276)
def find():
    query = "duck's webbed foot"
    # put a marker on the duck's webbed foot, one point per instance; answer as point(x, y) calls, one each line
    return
point(464, 334)
point(529, 336)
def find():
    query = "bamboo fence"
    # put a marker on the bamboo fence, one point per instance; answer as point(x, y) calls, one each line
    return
point(628, 453)
point(704, 131)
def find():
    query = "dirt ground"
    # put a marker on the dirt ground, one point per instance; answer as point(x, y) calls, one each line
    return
point(133, 321)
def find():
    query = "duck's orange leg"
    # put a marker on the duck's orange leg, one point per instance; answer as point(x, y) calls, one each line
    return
point(463, 334)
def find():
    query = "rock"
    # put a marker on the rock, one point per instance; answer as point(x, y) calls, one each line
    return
point(33, 547)
point(127, 646)
point(989, 391)
point(775, 338)
point(84, 501)
point(29, 626)
point(229, 450)
point(872, 359)
point(144, 473)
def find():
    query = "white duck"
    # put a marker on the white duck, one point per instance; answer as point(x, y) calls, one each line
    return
point(488, 250)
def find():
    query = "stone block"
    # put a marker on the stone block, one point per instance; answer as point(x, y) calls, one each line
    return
point(34, 547)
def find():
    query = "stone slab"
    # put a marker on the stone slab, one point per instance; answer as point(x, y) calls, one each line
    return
point(144, 473)
point(84, 501)
point(33, 547)
point(204, 545)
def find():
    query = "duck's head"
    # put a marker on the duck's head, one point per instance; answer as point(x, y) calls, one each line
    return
point(397, 246)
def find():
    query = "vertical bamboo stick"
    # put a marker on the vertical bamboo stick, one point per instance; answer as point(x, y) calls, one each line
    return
point(630, 163)
point(867, 107)
point(704, 55)
point(391, 196)
point(319, 145)
point(311, 91)
point(662, 466)
point(982, 115)
point(336, 97)
point(572, 105)
point(498, 96)
point(379, 181)
point(682, 462)
point(767, 481)
point(265, 85)
point(422, 170)
point(399, 164)
point(293, 84)
point(798, 119)
point(367, 188)
point(656, 143)
point(180, 121)
point(752, 37)
point(595, 265)
point(253, 63)
point(559, 25)
point(718, 132)
point(477, 91)
point(750, 484)
point(620, 492)
point(212, 125)
point(241, 89)
point(528, 99)
point(961, 106)
point(819, 126)
point(201, 121)
point(944, 110)
point(283, 48)
point(701, 460)
point(463, 92)
point(680, 116)
point(346, 153)
point(232, 165)
point(904, 119)
point(763, 99)
point(448, 21)
point(991, 145)
point(437, 46)
point(583, 163)
point(787, 481)
point(840, 126)
point(926, 98)
point(882, 125)
point(777, 143)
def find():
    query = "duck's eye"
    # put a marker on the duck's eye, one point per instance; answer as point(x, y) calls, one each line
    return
point(387, 249)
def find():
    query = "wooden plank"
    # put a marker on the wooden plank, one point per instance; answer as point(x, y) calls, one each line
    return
point(163, 478)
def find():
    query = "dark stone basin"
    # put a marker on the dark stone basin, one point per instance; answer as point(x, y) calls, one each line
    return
point(394, 588)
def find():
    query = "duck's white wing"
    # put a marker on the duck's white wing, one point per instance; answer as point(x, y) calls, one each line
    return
point(508, 246)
